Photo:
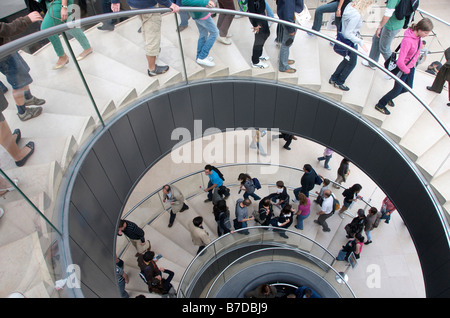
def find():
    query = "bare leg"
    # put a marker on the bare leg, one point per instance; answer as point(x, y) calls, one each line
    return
point(8, 141)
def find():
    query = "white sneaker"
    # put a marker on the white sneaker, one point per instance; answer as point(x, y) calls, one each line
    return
point(264, 58)
point(210, 58)
point(206, 62)
point(260, 65)
point(224, 40)
point(366, 63)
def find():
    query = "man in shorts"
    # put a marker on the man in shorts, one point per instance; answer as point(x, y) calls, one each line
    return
point(17, 70)
point(151, 29)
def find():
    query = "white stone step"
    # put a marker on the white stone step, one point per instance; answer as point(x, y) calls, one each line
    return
point(441, 185)
point(416, 142)
point(68, 79)
point(24, 264)
point(305, 52)
point(436, 161)
point(129, 30)
point(56, 125)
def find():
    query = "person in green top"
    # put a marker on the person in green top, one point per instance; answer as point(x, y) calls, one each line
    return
point(388, 28)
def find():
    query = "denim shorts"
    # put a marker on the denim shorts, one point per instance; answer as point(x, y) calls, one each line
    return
point(16, 71)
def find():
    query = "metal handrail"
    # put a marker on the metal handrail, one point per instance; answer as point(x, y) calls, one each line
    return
point(275, 249)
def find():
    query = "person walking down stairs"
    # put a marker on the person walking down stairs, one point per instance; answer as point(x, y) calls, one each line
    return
point(151, 30)
point(442, 76)
point(407, 58)
point(17, 71)
point(58, 13)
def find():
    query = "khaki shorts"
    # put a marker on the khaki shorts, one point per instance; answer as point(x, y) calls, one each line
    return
point(151, 30)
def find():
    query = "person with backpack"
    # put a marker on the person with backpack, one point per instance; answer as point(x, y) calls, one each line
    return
point(354, 245)
point(326, 211)
point(222, 217)
point(406, 62)
point(248, 185)
point(356, 226)
point(351, 24)
point(385, 33)
point(265, 212)
point(307, 182)
point(216, 180)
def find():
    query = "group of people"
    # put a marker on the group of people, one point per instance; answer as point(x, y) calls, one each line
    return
point(265, 215)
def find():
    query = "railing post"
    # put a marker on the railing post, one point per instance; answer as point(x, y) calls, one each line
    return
point(82, 77)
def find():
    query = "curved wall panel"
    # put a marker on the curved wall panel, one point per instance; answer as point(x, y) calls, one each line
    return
point(134, 141)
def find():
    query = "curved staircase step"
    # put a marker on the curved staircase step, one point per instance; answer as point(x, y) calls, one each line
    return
point(27, 271)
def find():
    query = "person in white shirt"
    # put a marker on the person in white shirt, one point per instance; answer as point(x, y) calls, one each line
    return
point(326, 211)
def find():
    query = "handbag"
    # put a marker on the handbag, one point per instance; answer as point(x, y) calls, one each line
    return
point(391, 63)
point(341, 50)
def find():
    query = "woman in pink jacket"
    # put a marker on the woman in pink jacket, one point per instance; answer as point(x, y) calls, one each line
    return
point(409, 53)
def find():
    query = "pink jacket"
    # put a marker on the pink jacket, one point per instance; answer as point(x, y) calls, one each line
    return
point(409, 51)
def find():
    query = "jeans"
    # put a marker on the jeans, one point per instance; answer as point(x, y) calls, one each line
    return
point(269, 11)
point(298, 190)
point(184, 16)
point(398, 89)
point(326, 8)
point(300, 219)
point(327, 160)
point(253, 195)
point(382, 45)
point(343, 71)
point(286, 42)
point(208, 35)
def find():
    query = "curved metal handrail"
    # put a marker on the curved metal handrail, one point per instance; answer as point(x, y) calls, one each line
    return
point(212, 244)
point(275, 249)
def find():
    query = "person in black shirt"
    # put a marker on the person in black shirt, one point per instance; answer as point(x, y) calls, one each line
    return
point(135, 234)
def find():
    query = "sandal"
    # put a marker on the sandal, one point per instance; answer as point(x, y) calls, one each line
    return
point(19, 135)
point(290, 70)
point(22, 162)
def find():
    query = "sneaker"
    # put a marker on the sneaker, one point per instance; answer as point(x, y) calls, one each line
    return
point(223, 40)
point(366, 63)
point(34, 101)
point(331, 81)
point(310, 34)
point(382, 109)
point(341, 86)
point(264, 58)
point(158, 70)
point(206, 62)
point(30, 113)
point(391, 103)
point(260, 65)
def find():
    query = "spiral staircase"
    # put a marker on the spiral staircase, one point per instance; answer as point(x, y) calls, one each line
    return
point(115, 73)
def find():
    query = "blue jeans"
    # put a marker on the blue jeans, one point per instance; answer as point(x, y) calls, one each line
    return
point(327, 160)
point(286, 42)
point(208, 35)
point(318, 15)
point(253, 195)
point(298, 190)
point(408, 79)
point(382, 45)
point(269, 11)
point(184, 16)
point(300, 219)
point(343, 71)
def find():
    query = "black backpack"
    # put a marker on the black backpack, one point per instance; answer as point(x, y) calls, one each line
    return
point(405, 9)
point(218, 172)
